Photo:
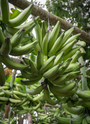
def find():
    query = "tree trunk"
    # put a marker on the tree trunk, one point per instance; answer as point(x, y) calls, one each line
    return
point(20, 121)
point(44, 15)
point(30, 119)
point(7, 108)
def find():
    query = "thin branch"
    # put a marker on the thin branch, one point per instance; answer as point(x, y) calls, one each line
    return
point(44, 15)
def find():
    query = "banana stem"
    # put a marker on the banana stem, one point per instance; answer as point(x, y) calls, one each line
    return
point(83, 77)
point(9, 114)
point(12, 79)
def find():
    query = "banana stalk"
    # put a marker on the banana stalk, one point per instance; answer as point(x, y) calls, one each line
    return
point(83, 78)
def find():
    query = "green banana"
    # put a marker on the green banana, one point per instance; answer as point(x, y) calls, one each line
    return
point(26, 60)
point(44, 27)
point(32, 81)
point(48, 98)
point(11, 64)
point(65, 120)
point(73, 110)
point(17, 38)
point(67, 34)
point(63, 89)
point(40, 59)
point(65, 48)
point(86, 103)
point(6, 47)
point(61, 79)
point(4, 10)
point(81, 43)
point(38, 32)
point(33, 57)
point(18, 93)
point(64, 99)
point(7, 84)
point(73, 67)
point(28, 23)
point(70, 93)
point(16, 97)
point(28, 75)
point(28, 27)
point(74, 97)
point(7, 92)
point(6, 33)
point(2, 75)
point(78, 102)
point(84, 94)
point(21, 17)
point(21, 112)
point(45, 44)
point(37, 47)
point(74, 75)
point(20, 86)
point(51, 72)
point(76, 56)
point(56, 45)
point(4, 88)
point(59, 58)
point(2, 37)
point(88, 118)
point(3, 122)
point(82, 51)
point(26, 39)
point(71, 53)
point(5, 99)
point(18, 51)
point(84, 121)
point(48, 64)
point(39, 97)
point(34, 108)
point(34, 91)
point(53, 35)
point(11, 30)
point(2, 93)
point(59, 72)
point(22, 102)
point(71, 39)
point(40, 110)
point(33, 67)
point(67, 62)
point(14, 100)
point(29, 97)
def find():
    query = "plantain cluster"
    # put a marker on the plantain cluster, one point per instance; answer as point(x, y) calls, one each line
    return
point(50, 71)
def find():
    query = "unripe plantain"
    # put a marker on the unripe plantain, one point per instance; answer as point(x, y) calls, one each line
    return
point(4, 10)
point(21, 17)
point(2, 75)
point(6, 47)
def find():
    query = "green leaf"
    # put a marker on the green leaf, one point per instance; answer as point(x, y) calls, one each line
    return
point(14, 13)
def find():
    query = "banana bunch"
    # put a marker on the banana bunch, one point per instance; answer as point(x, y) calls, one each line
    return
point(6, 120)
point(57, 55)
point(58, 69)
point(15, 33)
point(12, 95)
point(85, 96)
point(21, 98)
point(12, 36)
